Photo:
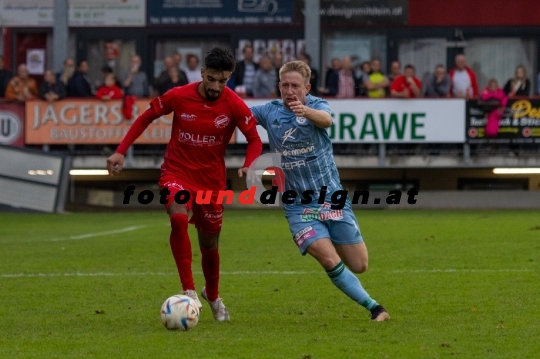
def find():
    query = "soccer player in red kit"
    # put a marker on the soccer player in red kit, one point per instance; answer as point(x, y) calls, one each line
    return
point(206, 114)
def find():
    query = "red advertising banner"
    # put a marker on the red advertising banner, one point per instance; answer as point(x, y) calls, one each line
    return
point(12, 124)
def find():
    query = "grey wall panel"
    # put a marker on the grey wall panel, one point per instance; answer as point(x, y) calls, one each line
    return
point(18, 164)
point(34, 196)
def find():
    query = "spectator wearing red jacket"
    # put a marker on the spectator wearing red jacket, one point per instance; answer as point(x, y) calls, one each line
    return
point(110, 90)
point(463, 80)
point(406, 85)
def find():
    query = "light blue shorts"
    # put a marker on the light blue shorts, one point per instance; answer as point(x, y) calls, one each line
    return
point(309, 223)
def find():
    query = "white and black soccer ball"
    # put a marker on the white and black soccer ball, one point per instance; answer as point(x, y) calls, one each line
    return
point(179, 312)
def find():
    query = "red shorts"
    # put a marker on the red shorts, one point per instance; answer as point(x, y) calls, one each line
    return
point(206, 217)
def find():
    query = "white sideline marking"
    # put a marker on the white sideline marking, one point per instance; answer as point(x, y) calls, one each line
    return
point(148, 274)
point(96, 234)
point(507, 270)
point(144, 274)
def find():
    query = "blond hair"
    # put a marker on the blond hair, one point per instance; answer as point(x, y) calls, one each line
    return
point(297, 66)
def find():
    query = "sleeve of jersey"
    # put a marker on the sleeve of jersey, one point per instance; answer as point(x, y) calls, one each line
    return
point(258, 112)
point(322, 105)
point(138, 127)
point(254, 147)
point(246, 122)
point(162, 104)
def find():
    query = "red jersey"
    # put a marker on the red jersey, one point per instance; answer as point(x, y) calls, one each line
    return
point(201, 131)
point(114, 91)
point(400, 84)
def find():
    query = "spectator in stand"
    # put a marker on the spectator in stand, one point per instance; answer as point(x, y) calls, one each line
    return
point(463, 80)
point(495, 97)
point(106, 70)
point(406, 85)
point(519, 85)
point(346, 79)
point(159, 83)
point(395, 70)
point(110, 90)
point(264, 81)
point(135, 81)
point(193, 71)
point(245, 71)
point(377, 82)
point(331, 80)
point(67, 71)
point(363, 77)
point(177, 60)
point(173, 80)
point(314, 79)
point(437, 84)
point(79, 84)
point(21, 87)
point(51, 89)
point(5, 76)
point(277, 63)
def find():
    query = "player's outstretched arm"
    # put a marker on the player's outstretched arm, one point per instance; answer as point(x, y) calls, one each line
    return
point(116, 161)
point(319, 118)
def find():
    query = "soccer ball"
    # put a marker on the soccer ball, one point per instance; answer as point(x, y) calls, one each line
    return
point(179, 312)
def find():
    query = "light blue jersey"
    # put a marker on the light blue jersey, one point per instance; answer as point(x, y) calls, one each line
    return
point(308, 164)
point(307, 157)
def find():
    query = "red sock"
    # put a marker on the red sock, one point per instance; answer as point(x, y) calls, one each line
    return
point(181, 249)
point(210, 266)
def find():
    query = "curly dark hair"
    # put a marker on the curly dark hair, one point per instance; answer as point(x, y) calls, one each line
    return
point(219, 59)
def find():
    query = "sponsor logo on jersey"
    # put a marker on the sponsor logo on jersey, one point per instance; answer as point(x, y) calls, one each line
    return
point(214, 216)
point(323, 213)
point(300, 120)
point(296, 151)
point(174, 185)
point(292, 165)
point(304, 235)
point(275, 124)
point(288, 134)
point(197, 139)
point(221, 121)
point(248, 118)
point(206, 106)
point(187, 117)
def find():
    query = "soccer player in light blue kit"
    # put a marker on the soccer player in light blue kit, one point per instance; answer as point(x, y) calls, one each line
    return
point(296, 128)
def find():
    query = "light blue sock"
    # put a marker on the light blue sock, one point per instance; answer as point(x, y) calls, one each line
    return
point(349, 284)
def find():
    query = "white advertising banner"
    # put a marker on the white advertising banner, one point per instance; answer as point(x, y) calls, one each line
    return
point(391, 121)
point(83, 13)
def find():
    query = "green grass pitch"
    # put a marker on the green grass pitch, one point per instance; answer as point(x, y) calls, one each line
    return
point(463, 284)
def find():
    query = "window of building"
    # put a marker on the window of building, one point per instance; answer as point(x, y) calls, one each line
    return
point(360, 47)
point(498, 58)
point(198, 47)
point(423, 54)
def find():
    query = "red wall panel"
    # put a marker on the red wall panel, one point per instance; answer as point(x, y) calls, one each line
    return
point(474, 12)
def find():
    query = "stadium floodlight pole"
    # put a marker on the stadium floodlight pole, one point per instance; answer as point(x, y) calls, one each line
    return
point(312, 32)
point(60, 34)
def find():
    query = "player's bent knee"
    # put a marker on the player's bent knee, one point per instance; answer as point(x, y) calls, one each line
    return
point(327, 262)
point(358, 268)
point(175, 208)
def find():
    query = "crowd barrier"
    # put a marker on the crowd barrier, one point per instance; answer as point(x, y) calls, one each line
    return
point(430, 121)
